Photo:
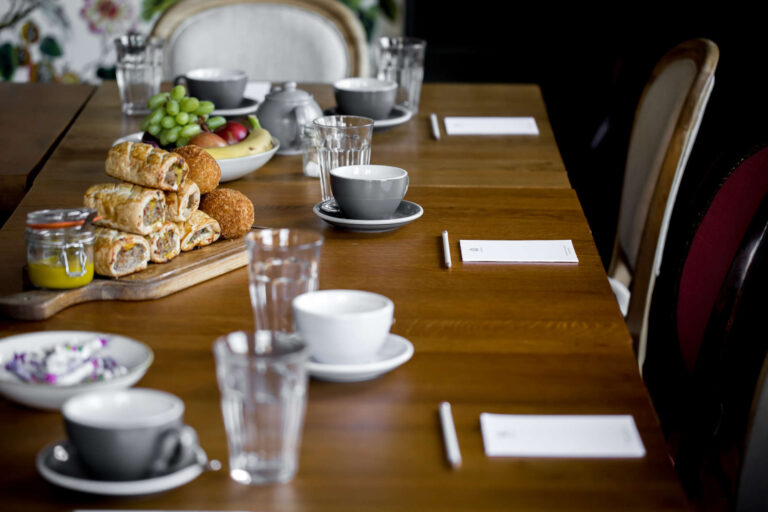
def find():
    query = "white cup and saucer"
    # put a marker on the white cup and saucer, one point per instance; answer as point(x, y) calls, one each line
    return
point(122, 443)
point(347, 332)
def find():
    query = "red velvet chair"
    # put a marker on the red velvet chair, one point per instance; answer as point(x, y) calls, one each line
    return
point(704, 361)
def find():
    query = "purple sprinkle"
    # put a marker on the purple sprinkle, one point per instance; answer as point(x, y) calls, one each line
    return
point(103, 342)
point(50, 378)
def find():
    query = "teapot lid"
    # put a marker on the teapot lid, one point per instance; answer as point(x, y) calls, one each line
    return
point(288, 92)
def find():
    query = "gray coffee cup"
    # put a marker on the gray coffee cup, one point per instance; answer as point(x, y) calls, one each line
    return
point(127, 434)
point(224, 87)
point(367, 97)
point(369, 192)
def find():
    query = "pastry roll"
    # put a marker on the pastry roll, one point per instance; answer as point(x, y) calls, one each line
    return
point(117, 253)
point(180, 205)
point(165, 243)
point(145, 165)
point(198, 231)
point(127, 207)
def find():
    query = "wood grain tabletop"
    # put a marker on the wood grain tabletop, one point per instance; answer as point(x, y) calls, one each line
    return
point(501, 338)
point(34, 117)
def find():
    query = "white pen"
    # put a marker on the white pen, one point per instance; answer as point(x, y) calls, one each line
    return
point(446, 249)
point(449, 435)
point(435, 126)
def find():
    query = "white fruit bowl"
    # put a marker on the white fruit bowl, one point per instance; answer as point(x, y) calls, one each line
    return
point(236, 168)
point(231, 168)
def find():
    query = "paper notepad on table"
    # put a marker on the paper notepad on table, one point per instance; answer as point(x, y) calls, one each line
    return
point(491, 126)
point(510, 435)
point(518, 251)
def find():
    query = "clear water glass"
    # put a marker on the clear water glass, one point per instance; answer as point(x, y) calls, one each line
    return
point(340, 140)
point(401, 60)
point(139, 71)
point(263, 401)
point(282, 263)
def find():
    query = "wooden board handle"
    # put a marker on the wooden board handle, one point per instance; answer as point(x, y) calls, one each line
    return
point(41, 304)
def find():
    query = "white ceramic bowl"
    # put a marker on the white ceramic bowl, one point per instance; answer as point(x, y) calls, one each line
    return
point(343, 326)
point(236, 168)
point(231, 168)
point(134, 355)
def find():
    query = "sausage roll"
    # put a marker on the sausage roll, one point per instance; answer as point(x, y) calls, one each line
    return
point(117, 253)
point(145, 165)
point(198, 231)
point(127, 207)
point(165, 243)
point(180, 205)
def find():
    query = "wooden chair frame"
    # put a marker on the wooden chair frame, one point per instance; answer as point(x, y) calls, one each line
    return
point(705, 55)
point(337, 13)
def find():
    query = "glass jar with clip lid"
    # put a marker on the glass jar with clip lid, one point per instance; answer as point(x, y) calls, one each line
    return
point(60, 248)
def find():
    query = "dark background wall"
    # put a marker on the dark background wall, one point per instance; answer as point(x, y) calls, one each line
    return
point(592, 63)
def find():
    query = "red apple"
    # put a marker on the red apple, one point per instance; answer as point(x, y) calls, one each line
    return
point(208, 140)
point(232, 132)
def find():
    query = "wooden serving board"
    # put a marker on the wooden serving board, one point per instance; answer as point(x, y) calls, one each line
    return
point(157, 280)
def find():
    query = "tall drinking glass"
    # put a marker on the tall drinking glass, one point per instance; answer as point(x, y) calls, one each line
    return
point(340, 140)
point(282, 263)
point(139, 71)
point(263, 399)
point(262, 375)
point(401, 60)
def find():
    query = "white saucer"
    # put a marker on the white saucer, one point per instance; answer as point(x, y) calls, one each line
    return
point(406, 213)
point(395, 351)
point(247, 106)
point(397, 116)
point(70, 475)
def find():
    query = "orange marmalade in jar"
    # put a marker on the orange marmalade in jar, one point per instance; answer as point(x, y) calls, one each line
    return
point(60, 248)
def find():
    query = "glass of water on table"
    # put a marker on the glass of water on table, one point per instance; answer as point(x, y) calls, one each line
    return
point(139, 71)
point(340, 140)
point(262, 374)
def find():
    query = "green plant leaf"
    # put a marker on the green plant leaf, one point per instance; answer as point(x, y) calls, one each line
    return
point(149, 8)
point(50, 47)
point(8, 61)
point(389, 8)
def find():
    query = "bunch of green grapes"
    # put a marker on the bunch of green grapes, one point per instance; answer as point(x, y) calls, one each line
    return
point(176, 117)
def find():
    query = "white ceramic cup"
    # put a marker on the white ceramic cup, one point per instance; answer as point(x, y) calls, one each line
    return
point(343, 326)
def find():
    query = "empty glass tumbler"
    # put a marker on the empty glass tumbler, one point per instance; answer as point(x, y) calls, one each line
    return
point(340, 140)
point(401, 60)
point(139, 71)
point(263, 399)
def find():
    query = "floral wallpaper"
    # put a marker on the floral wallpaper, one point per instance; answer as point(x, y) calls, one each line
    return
point(72, 40)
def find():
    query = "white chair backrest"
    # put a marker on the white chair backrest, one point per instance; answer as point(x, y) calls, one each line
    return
point(271, 40)
point(666, 124)
point(655, 122)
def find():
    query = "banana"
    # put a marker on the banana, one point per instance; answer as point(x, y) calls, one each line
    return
point(258, 141)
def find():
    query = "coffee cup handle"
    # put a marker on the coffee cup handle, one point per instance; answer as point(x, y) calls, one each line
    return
point(181, 79)
point(407, 183)
point(173, 447)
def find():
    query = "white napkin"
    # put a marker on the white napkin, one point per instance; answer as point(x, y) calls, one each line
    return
point(257, 90)
point(528, 435)
point(491, 126)
point(518, 251)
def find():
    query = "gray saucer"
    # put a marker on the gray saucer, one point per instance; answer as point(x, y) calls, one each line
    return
point(396, 117)
point(406, 213)
point(58, 464)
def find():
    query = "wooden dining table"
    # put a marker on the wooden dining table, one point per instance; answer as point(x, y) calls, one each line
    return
point(35, 117)
point(496, 338)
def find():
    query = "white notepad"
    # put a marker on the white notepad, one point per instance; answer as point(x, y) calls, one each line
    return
point(526, 435)
point(257, 90)
point(491, 126)
point(518, 251)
